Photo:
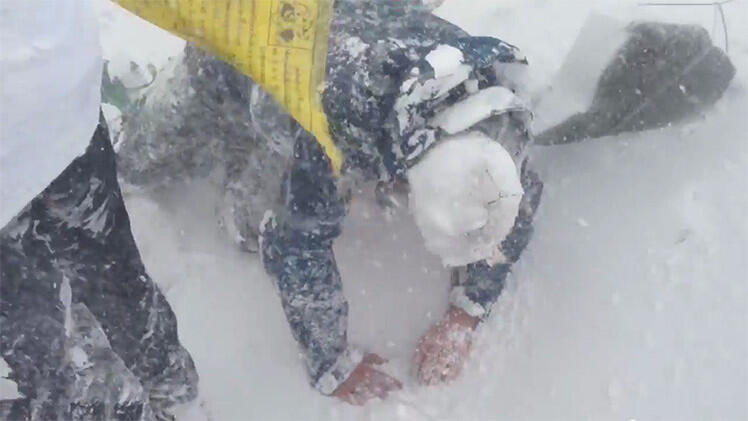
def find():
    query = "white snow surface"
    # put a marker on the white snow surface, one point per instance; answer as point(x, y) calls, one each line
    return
point(630, 302)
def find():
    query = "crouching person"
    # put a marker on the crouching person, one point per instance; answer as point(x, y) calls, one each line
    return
point(431, 109)
point(410, 99)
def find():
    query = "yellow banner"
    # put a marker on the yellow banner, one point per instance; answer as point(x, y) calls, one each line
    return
point(280, 44)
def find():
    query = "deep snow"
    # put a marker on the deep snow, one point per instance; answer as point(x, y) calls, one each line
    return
point(630, 303)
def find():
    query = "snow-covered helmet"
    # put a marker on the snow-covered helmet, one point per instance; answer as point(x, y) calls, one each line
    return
point(465, 196)
point(465, 192)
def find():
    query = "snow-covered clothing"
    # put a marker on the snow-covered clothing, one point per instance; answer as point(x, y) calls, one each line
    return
point(84, 329)
point(379, 92)
point(648, 75)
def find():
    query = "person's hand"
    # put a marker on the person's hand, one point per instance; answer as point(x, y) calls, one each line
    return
point(443, 350)
point(366, 382)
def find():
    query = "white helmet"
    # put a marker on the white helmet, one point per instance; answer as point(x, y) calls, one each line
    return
point(466, 191)
point(465, 196)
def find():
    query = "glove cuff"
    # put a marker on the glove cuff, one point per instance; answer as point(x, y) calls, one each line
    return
point(459, 299)
point(339, 372)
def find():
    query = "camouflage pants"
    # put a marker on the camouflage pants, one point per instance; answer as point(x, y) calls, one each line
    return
point(85, 331)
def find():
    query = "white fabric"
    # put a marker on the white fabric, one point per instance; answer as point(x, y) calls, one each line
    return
point(476, 108)
point(464, 196)
point(50, 81)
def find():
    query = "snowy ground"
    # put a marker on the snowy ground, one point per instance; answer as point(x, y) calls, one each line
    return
point(630, 303)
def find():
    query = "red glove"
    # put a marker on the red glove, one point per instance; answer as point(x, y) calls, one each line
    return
point(366, 382)
point(443, 350)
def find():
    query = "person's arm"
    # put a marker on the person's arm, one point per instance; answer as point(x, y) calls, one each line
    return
point(296, 246)
point(485, 282)
point(297, 250)
point(443, 350)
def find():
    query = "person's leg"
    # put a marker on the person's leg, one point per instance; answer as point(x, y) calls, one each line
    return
point(62, 372)
point(255, 165)
point(114, 285)
point(250, 190)
point(223, 128)
point(76, 237)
